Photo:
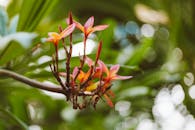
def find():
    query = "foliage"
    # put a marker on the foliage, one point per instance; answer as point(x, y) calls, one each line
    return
point(157, 61)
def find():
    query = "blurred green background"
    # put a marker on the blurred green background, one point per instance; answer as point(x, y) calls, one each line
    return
point(151, 40)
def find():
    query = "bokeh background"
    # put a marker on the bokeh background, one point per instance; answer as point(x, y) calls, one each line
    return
point(152, 40)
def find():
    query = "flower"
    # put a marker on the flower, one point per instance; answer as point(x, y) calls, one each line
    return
point(84, 85)
point(111, 74)
point(92, 86)
point(56, 37)
point(82, 76)
point(88, 26)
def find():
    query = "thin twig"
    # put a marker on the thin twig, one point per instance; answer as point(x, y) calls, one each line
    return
point(69, 56)
point(55, 74)
point(54, 64)
point(84, 55)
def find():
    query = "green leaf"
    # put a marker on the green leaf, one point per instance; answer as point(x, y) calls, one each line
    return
point(14, 7)
point(3, 21)
point(134, 91)
point(13, 25)
point(140, 52)
point(23, 38)
point(107, 35)
point(32, 13)
point(13, 50)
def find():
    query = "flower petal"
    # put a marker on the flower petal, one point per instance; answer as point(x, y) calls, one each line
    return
point(81, 76)
point(50, 39)
point(89, 23)
point(103, 67)
point(79, 26)
point(53, 37)
point(92, 87)
point(114, 69)
point(63, 74)
point(68, 21)
point(118, 77)
point(98, 72)
point(86, 75)
point(67, 31)
point(52, 34)
point(89, 61)
point(75, 71)
point(99, 27)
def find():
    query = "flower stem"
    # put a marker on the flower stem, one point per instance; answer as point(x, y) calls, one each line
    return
point(56, 57)
point(69, 55)
point(84, 55)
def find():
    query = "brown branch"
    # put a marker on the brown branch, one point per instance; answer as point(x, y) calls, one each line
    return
point(36, 84)
point(31, 82)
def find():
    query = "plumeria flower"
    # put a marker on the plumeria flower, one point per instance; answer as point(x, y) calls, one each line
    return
point(82, 77)
point(96, 81)
point(56, 37)
point(88, 26)
point(111, 74)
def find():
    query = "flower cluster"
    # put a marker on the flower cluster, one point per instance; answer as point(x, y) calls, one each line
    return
point(81, 87)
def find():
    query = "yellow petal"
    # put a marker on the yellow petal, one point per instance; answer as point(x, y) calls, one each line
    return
point(92, 86)
point(81, 76)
